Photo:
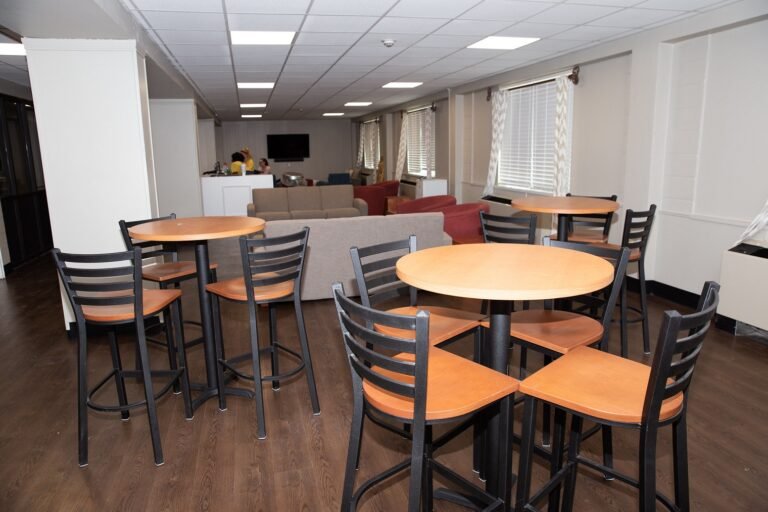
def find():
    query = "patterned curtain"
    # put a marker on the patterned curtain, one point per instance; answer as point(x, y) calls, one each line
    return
point(759, 224)
point(361, 147)
point(429, 141)
point(401, 150)
point(498, 115)
point(563, 127)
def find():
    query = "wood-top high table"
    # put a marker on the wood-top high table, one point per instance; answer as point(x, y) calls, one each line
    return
point(503, 273)
point(563, 206)
point(199, 230)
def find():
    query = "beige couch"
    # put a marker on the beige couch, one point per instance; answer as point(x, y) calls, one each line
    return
point(285, 203)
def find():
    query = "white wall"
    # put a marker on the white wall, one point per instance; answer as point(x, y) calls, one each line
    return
point(331, 147)
point(206, 145)
point(177, 168)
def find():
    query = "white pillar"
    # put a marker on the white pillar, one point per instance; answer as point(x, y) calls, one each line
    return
point(91, 108)
point(177, 168)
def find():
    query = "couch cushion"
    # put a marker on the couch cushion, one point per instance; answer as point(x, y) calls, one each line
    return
point(336, 196)
point(334, 213)
point(270, 199)
point(283, 215)
point(307, 214)
point(304, 198)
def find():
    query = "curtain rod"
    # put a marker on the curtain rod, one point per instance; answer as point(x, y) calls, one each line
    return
point(572, 74)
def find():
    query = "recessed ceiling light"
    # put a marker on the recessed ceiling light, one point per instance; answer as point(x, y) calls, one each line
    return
point(255, 85)
point(402, 85)
point(251, 115)
point(333, 114)
point(253, 105)
point(357, 104)
point(12, 49)
point(261, 37)
point(503, 43)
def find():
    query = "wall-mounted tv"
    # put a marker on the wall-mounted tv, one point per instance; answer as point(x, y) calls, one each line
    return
point(289, 147)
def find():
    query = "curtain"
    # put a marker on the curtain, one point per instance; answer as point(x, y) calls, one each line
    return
point(401, 150)
point(563, 129)
point(371, 136)
point(361, 147)
point(759, 224)
point(429, 142)
point(498, 115)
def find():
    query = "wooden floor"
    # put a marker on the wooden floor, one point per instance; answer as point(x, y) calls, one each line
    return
point(215, 462)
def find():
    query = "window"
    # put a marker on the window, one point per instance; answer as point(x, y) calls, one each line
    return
point(369, 134)
point(527, 154)
point(421, 142)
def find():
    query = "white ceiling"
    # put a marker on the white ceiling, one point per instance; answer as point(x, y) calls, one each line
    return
point(337, 55)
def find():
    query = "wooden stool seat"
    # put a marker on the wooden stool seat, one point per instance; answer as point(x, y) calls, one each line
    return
point(558, 331)
point(444, 323)
point(598, 385)
point(154, 302)
point(634, 254)
point(234, 289)
point(171, 271)
point(587, 237)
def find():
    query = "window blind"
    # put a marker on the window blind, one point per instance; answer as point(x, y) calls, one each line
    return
point(421, 142)
point(527, 154)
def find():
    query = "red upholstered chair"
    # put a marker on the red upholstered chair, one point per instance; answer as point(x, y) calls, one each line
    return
point(427, 204)
point(391, 187)
point(462, 222)
point(375, 196)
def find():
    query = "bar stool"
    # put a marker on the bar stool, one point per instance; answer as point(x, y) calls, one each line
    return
point(106, 290)
point(406, 380)
point(272, 270)
point(612, 390)
point(592, 227)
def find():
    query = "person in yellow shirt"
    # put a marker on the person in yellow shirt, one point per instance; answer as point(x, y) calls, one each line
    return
point(249, 165)
point(236, 168)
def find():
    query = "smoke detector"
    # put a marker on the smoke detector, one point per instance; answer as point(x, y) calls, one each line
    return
point(389, 43)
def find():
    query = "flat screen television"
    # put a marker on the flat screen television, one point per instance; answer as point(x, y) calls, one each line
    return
point(288, 147)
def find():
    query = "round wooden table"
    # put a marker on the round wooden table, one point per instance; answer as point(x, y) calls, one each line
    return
point(503, 273)
point(199, 230)
point(564, 206)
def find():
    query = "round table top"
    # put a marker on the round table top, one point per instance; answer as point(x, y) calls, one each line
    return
point(565, 204)
point(504, 271)
point(191, 229)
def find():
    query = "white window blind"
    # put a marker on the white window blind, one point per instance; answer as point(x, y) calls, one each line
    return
point(371, 144)
point(421, 142)
point(527, 154)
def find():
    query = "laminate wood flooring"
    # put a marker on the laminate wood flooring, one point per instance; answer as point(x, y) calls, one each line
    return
point(215, 462)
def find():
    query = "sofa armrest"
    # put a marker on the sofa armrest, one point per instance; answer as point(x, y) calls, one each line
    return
point(361, 205)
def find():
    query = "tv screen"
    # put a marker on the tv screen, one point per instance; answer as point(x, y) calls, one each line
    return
point(287, 147)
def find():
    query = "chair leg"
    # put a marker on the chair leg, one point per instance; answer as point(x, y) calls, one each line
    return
point(523, 370)
point(171, 345)
point(426, 482)
point(82, 398)
point(218, 343)
point(353, 451)
point(607, 435)
point(477, 429)
point(680, 447)
point(545, 426)
point(306, 355)
point(647, 469)
point(417, 467)
point(506, 427)
point(182, 355)
point(573, 453)
point(623, 319)
point(526, 454)
point(257, 383)
point(644, 308)
point(556, 458)
point(273, 344)
point(117, 366)
point(149, 394)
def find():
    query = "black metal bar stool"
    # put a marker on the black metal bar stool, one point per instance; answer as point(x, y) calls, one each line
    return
point(272, 270)
point(106, 290)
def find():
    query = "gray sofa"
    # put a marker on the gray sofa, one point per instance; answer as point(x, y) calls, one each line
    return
point(285, 203)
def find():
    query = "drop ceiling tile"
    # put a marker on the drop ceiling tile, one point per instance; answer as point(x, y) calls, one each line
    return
point(472, 28)
point(428, 8)
point(338, 23)
point(192, 37)
point(322, 50)
point(253, 95)
point(263, 67)
point(681, 5)
point(193, 60)
point(526, 29)
point(337, 82)
point(160, 20)
point(259, 60)
point(275, 22)
point(203, 50)
point(591, 33)
point(615, 3)
point(438, 41)
point(304, 68)
point(259, 50)
point(345, 7)
point(426, 52)
point(374, 38)
point(289, 76)
point(473, 55)
point(223, 68)
point(504, 10)
point(445, 66)
point(370, 61)
point(297, 60)
point(267, 6)
point(352, 68)
point(552, 46)
point(179, 5)
point(636, 18)
point(305, 38)
point(394, 25)
point(19, 61)
point(573, 14)
point(374, 51)
point(257, 76)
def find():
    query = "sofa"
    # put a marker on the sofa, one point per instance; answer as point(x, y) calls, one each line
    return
point(286, 203)
point(376, 195)
point(426, 204)
point(328, 258)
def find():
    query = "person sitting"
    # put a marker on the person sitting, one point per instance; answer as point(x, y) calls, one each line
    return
point(264, 167)
point(249, 165)
point(237, 166)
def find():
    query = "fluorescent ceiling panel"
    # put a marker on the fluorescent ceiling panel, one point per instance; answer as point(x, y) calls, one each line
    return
point(255, 85)
point(255, 116)
point(261, 37)
point(253, 105)
point(333, 114)
point(12, 49)
point(401, 85)
point(357, 103)
point(502, 43)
